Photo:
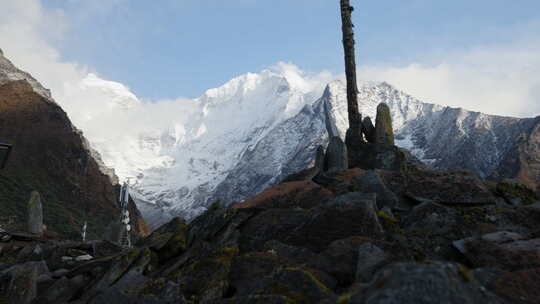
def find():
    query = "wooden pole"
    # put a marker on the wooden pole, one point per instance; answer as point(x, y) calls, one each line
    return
point(355, 119)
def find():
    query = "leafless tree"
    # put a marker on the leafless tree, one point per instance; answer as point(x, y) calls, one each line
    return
point(355, 118)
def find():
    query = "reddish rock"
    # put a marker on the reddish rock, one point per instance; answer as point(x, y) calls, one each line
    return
point(304, 194)
point(447, 187)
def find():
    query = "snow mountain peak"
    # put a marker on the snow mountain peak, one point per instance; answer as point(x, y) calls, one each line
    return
point(236, 140)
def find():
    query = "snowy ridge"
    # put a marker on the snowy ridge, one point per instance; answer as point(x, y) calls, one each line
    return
point(8, 73)
point(247, 135)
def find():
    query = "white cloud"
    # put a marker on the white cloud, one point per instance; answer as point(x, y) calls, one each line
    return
point(27, 35)
point(503, 80)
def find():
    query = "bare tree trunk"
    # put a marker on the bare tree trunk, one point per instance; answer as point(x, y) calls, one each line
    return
point(355, 119)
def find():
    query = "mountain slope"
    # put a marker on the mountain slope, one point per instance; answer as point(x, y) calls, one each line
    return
point(51, 156)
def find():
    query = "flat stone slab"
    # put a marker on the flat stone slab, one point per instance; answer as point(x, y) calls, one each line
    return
point(504, 250)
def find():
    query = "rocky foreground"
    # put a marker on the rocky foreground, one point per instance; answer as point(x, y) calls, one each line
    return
point(350, 236)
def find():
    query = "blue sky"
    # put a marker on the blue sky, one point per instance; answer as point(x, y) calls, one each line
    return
point(482, 55)
point(170, 48)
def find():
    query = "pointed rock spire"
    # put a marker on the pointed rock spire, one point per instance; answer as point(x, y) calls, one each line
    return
point(384, 133)
point(336, 155)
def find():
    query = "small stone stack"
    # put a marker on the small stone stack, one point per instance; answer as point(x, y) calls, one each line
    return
point(35, 214)
point(383, 126)
point(378, 151)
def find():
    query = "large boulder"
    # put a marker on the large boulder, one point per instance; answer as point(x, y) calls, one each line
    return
point(503, 249)
point(371, 182)
point(271, 224)
point(370, 256)
point(448, 187)
point(340, 259)
point(350, 214)
point(408, 283)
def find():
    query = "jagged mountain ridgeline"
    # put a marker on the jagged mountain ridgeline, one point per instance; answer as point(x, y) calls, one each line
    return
point(51, 157)
point(255, 130)
point(275, 122)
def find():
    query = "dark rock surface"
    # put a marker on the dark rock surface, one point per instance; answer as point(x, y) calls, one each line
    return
point(522, 161)
point(422, 284)
point(368, 129)
point(384, 132)
point(448, 187)
point(303, 242)
point(376, 156)
point(336, 158)
point(52, 157)
point(371, 182)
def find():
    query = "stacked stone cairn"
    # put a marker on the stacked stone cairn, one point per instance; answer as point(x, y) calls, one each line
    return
point(367, 149)
point(372, 147)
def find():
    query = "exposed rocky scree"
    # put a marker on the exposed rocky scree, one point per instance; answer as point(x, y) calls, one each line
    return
point(52, 157)
point(400, 233)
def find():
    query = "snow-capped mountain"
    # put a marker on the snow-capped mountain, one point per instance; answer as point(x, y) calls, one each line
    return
point(238, 139)
point(442, 137)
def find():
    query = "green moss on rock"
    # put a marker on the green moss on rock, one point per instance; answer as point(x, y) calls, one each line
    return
point(512, 191)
